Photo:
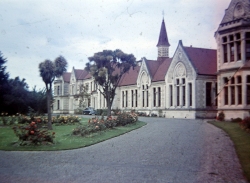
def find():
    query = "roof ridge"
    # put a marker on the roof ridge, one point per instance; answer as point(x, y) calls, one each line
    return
point(199, 48)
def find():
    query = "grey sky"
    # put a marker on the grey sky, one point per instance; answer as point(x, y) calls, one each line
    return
point(32, 31)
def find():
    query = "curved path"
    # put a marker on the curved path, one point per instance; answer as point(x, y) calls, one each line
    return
point(165, 150)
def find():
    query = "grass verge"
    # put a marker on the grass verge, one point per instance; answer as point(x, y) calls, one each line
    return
point(64, 140)
point(241, 140)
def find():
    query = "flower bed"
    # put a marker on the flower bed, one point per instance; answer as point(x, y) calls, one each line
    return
point(33, 134)
point(22, 119)
point(97, 125)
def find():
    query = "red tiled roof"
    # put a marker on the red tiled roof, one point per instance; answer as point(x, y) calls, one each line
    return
point(130, 78)
point(203, 60)
point(66, 76)
point(162, 70)
point(152, 66)
point(81, 74)
point(88, 76)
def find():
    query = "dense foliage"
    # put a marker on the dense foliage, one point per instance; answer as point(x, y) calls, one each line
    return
point(15, 96)
point(107, 68)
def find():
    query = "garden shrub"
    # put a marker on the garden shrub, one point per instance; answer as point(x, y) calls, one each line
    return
point(236, 120)
point(221, 116)
point(245, 124)
point(65, 120)
point(4, 120)
point(9, 120)
point(126, 118)
point(33, 134)
point(94, 125)
point(110, 122)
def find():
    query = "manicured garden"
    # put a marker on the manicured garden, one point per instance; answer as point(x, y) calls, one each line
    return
point(239, 132)
point(22, 133)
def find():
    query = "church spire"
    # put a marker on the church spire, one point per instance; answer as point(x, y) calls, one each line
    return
point(163, 44)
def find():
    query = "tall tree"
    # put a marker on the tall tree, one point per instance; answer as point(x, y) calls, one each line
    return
point(107, 68)
point(49, 71)
point(17, 99)
point(4, 86)
point(37, 100)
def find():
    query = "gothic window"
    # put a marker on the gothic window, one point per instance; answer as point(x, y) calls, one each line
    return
point(132, 98)
point(208, 94)
point(183, 92)
point(147, 95)
point(126, 98)
point(154, 97)
point(226, 95)
point(143, 97)
point(239, 89)
point(171, 95)
point(238, 46)
point(231, 52)
point(225, 49)
point(122, 98)
point(136, 98)
point(248, 45)
point(248, 90)
point(215, 93)
point(159, 96)
point(190, 94)
point(225, 91)
point(232, 86)
point(180, 85)
point(178, 92)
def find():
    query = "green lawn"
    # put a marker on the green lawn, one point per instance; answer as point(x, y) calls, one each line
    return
point(64, 140)
point(241, 141)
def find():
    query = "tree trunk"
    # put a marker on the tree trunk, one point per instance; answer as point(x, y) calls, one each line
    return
point(108, 103)
point(109, 108)
point(49, 108)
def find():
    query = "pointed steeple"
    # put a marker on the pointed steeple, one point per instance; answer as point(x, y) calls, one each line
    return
point(163, 38)
point(163, 44)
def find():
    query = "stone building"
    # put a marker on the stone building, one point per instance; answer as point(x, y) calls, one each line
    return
point(233, 65)
point(186, 85)
point(166, 86)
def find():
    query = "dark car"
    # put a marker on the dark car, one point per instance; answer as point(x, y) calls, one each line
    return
point(89, 111)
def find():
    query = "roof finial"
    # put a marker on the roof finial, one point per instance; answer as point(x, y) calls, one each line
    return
point(163, 14)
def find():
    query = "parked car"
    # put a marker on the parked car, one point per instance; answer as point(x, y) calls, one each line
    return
point(89, 111)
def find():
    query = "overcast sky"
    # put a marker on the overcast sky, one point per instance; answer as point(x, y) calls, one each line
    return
point(32, 31)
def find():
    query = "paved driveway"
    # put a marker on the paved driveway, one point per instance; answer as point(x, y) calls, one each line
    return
point(165, 150)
